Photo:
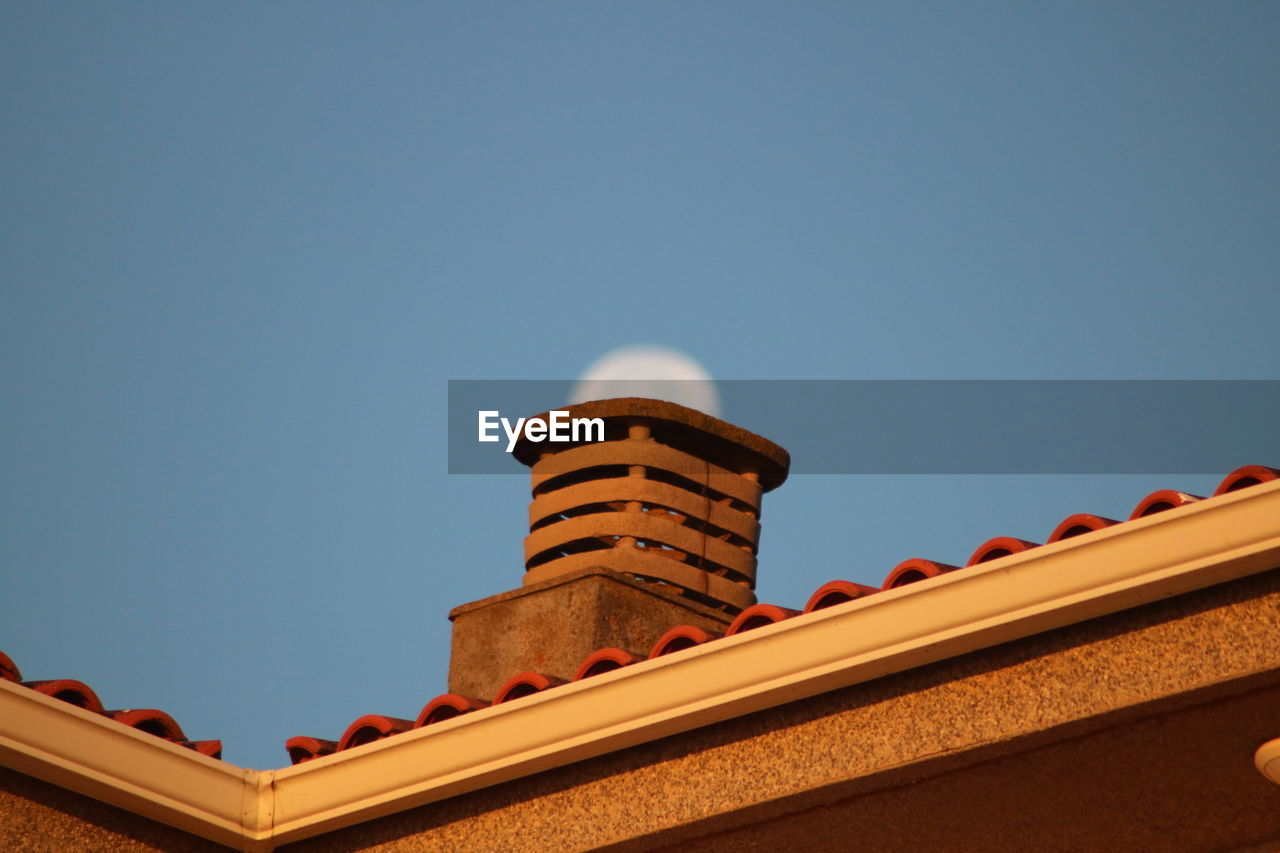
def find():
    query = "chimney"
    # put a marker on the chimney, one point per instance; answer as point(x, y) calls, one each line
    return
point(656, 526)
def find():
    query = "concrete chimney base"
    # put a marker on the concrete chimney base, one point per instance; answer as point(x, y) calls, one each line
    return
point(550, 627)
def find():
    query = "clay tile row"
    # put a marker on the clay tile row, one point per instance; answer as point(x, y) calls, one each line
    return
point(149, 720)
point(918, 569)
point(374, 727)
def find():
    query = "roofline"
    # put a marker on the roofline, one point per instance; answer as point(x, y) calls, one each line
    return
point(97, 756)
point(1112, 569)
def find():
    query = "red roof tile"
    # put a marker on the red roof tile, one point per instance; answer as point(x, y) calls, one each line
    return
point(836, 592)
point(8, 669)
point(1001, 546)
point(759, 615)
point(151, 721)
point(1160, 501)
point(913, 570)
point(447, 706)
point(680, 638)
point(1245, 476)
point(76, 692)
point(211, 748)
point(604, 660)
point(1081, 522)
point(525, 684)
point(302, 748)
point(372, 727)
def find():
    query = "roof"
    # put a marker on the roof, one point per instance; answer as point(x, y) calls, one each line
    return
point(77, 693)
point(770, 657)
point(374, 727)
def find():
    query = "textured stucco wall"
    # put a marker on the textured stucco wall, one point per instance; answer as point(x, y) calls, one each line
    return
point(1172, 782)
point(36, 816)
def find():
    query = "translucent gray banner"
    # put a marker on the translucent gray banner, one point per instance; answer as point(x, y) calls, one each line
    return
point(938, 426)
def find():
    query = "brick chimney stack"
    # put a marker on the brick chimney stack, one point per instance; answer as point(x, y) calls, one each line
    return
point(656, 526)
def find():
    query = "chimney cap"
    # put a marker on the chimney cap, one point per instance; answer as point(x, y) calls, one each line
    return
point(687, 429)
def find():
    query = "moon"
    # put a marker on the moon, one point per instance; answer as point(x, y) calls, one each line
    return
point(644, 370)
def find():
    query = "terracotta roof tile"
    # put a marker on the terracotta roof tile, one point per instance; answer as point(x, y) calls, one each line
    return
point(151, 721)
point(76, 692)
point(303, 748)
point(1245, 476)
point(757, 616)
point(680, 638)
point(372, 727)
point(1081, 522)
point(211, 748)
point(1161, 500)
point(836, 592)
point(447, 706)
point(8, 669)
point(913, 570)
point(525, 684)
point(604, 660)
point(1000, 546)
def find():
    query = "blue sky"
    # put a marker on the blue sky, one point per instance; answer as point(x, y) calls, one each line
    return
point(244, 246)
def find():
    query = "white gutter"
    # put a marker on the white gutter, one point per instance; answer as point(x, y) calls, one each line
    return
point(1173, 552)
